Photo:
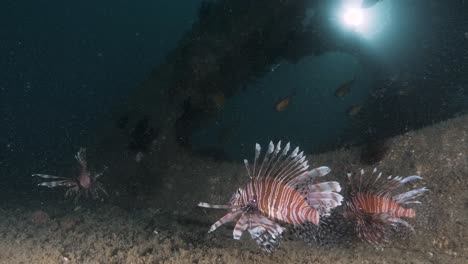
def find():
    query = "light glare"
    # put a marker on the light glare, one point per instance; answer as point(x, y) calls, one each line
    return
point(353, 17)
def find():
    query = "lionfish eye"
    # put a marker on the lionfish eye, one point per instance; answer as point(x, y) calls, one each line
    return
point(238, 191)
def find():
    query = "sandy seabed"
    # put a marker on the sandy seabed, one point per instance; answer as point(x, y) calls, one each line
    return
point(168, 228)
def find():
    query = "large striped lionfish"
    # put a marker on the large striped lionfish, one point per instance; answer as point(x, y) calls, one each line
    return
point(281, 190)
point(378, 206)
point(86, 184)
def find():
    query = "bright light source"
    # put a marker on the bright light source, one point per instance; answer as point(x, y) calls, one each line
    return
point(367, 22)
point(353, 17)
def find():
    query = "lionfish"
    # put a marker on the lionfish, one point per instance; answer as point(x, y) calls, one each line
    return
point(85, 184)
point(378, 207)
point(281, 190)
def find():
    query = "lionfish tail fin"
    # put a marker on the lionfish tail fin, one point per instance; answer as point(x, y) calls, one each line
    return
point(324, 202)
point(322, 196)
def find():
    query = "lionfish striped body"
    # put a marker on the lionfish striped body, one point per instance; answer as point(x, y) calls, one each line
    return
point(280, 190)
point(378, 208)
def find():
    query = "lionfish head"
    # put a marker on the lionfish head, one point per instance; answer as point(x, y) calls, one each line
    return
point(236, 198)
point(243, 210)
point(239, 201)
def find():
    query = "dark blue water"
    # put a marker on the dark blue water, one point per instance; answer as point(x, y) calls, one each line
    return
point(66, 64)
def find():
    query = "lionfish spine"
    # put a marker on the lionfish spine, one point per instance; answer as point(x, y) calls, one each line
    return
point(60, 181)
point(213, 206)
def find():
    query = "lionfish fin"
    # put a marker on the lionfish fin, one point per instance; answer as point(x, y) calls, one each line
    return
point(324, 202)
point(229, 217)
point(81, 157)
point(61, 181)
point(266, 233)
point(322, 196)
point(213, 206)
point(258, 149)
point(331, 186)
point(241, 226)
point(318, 197)
point(308, 176)
point(246, 163)
point(378, 233)
point(399, 221)
point(407, 197)
point(53, 184)
point(412, 202)
point(45, 176)
point(411, 178)
point(266, 159)
point(283, 166)
point(385, 186)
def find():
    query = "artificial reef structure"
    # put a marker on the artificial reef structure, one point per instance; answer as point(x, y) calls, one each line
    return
point(232, 44)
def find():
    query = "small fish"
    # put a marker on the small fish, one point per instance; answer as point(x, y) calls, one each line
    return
point(219, 100)
point(344, 89)
point(354, 109)
point(369, 3)
point(139, 156)
point(281, 192)
point(275, 66)
point(283, 103)
point(377, 206)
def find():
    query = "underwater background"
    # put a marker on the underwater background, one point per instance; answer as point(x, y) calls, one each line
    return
point(169, 97)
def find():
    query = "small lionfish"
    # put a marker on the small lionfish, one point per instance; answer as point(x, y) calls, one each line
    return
point(85, 184)
point(280, 190)
point(377, 206)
